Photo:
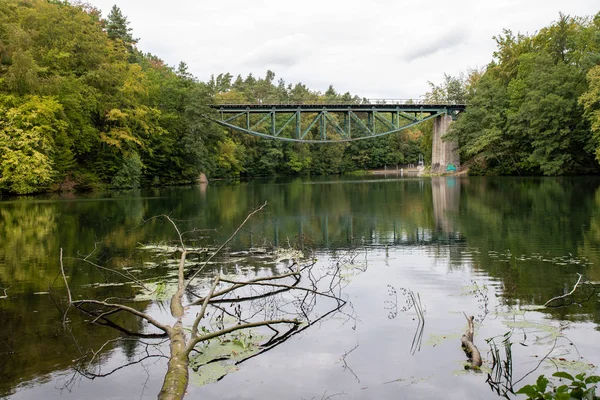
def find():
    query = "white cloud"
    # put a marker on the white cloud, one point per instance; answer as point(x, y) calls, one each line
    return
point(380, 48)
point(286, 51)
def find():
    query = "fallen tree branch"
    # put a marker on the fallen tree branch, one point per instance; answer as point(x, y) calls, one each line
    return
point(126, 276)
point(70, 297)
point(130, 310)
point(224, 244)
point(291, 313)
point(203, 309)
point(468, 346)
point(194, 341)
point(564, 296)
point(237, 285)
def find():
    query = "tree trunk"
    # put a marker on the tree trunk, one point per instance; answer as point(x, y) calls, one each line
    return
point(176, 379)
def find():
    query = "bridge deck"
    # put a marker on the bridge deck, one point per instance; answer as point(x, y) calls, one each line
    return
point(261, 108)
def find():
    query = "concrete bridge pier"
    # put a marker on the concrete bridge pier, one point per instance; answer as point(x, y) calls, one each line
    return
point(444, 153)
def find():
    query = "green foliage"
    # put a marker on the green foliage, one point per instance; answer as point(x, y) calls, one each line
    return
point(453, 90)
point(129, 175)
point(82, 108)
point(590, 101)
point(264, 157)
point(533, 111)
point(29, 128)
point(578, 387)
point(117, 26)
point(87, 109)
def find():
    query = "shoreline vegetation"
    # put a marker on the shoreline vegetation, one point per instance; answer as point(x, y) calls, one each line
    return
point(82, 109)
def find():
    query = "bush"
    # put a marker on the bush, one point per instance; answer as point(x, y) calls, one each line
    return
point(576, 389)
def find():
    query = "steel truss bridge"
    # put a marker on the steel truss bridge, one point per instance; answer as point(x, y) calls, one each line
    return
point(327, 123)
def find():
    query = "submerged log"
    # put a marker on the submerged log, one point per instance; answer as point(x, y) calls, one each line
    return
point(468, 346)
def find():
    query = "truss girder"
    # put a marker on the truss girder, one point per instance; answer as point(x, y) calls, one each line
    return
point(327, 123)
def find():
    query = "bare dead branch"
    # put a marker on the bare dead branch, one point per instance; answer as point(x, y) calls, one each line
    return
point(547, 304)
point(126, 276)
point(92, 376)
point(62, 271)
point(539, 363)
point(165, 216)
point(130, 310)
point(194, 341)
point(237, 285)
point(203, 309)
point(469, 347)
point(278, 285)
point(346, 366)
point(5, 290)
point(278, 310)
point(102, 320)
point(224, 244)
point(70, 297)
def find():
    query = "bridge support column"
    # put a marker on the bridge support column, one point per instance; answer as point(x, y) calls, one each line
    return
point(444, 153)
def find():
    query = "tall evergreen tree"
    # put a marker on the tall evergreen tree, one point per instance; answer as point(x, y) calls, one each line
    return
point(117, 27)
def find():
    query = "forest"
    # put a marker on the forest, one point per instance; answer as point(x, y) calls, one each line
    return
point(82, 108)
point(535, 108)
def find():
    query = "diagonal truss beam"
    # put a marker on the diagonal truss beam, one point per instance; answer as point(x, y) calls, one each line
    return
point(328, 123)
point(322, 118)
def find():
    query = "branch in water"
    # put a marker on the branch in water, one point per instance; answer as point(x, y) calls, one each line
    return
point(564, 296)
point(469, 347)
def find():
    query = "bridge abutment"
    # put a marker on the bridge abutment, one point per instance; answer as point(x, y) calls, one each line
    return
point(444, 153)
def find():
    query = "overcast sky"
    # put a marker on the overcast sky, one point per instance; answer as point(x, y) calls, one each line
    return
point(372, 48)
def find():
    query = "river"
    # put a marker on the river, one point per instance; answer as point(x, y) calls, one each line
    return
point(495, 248)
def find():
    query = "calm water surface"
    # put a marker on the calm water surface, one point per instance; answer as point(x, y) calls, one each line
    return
point(491, 247)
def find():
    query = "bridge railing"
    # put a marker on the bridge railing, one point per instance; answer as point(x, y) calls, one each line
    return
point(363, 101)
point(337, 102)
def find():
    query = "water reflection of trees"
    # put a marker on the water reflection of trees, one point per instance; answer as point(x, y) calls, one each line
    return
point(533, 235)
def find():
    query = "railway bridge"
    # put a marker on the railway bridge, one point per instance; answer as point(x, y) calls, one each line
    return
point(344, 122)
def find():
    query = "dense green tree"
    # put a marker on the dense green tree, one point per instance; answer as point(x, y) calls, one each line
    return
point(453, 90)
point(591, 104)
point(532, 110)
point(30, 128)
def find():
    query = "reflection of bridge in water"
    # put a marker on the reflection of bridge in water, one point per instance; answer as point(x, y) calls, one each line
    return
point(362, 229)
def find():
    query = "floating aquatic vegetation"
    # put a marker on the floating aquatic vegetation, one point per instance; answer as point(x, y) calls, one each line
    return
point(105, 284)
point(212, 373)
point(511, 313)
point(543, 333)
point(258, 250)
point(466, 368)
point(412, 380)
point(287, 254)
point(435, 339)
point(157, 291)
point(219, 357)
point(532, 307)
point(575, 366)
point(158, 248)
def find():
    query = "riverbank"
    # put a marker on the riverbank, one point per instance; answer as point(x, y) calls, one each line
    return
point(424, 171)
